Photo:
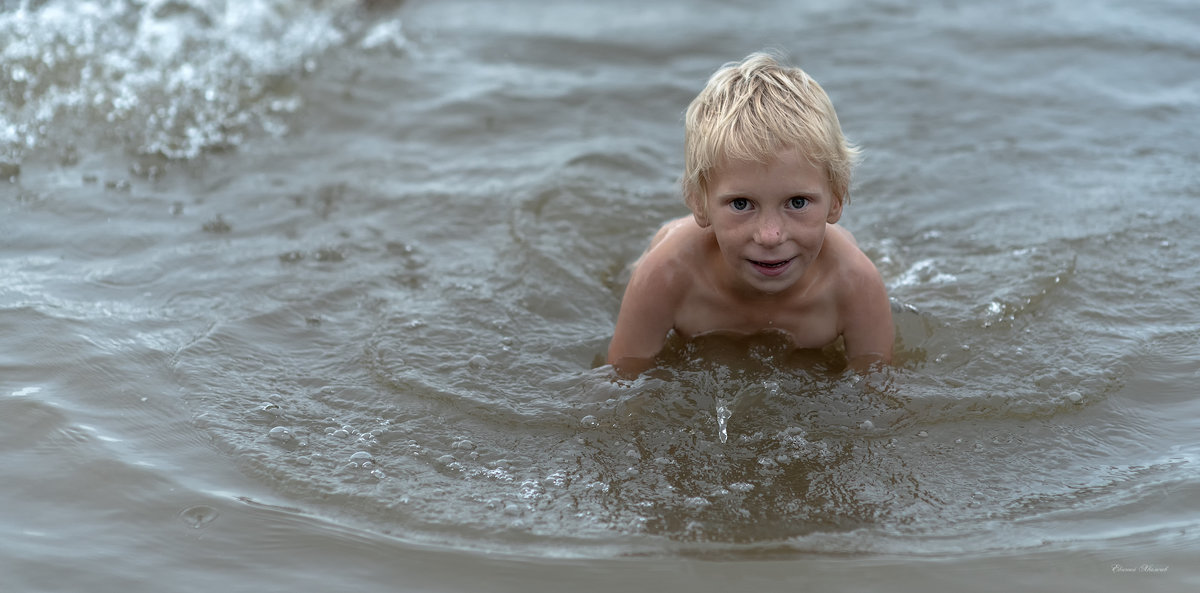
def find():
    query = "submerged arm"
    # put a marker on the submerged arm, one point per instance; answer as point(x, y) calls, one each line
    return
point(869, 333)
point(647, 315)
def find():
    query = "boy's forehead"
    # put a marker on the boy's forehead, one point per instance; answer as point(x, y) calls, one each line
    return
point(790, 171)
point(787, 156)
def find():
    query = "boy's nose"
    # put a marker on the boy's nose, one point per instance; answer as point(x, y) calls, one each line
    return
point(769, 232)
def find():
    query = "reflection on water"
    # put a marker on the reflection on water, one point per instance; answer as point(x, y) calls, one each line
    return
point(366, 256)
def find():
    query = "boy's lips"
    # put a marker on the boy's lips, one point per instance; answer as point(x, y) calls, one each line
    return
point(772, 267)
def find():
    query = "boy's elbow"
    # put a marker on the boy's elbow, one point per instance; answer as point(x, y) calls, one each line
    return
point(869, 361)
point(629, 367)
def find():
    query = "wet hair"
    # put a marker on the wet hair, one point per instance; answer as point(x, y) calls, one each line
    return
point(754, 109)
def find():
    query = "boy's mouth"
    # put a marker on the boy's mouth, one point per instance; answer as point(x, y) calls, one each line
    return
point(772, 268)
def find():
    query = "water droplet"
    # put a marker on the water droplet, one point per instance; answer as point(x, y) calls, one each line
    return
point(198, 516)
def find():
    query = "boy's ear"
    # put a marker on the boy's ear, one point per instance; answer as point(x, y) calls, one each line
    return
point(835, 211)
point(701, 219)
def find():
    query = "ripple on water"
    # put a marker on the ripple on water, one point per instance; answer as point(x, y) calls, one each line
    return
point(199, 516)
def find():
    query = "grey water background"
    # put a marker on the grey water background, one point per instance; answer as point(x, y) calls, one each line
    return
point(310, 295)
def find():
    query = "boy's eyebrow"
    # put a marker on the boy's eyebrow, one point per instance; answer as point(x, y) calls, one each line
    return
point(800, 192)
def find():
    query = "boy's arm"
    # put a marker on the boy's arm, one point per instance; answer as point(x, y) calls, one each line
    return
point(868, 332)
point(647, 315)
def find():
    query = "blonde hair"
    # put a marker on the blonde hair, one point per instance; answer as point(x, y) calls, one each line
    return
point(753, 109)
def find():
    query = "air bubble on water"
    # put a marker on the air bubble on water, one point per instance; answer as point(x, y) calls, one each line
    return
point(478, 361)
point(303, 461)
point(272, 409)
point(589, 421)
point(697, 501)
point(378, 474)
point(741, 487)
point(464, 445)
point(558, 478)
point(281, 434)
point(362, 459)
point(867, 425)
point(340, 433)
point(531, 489)
point(1075, 396)
point(923, 434)
point(198, 516)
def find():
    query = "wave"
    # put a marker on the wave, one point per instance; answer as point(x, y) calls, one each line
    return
point(170, 78)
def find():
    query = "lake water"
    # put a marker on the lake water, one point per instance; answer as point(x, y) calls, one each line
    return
point(314, 295)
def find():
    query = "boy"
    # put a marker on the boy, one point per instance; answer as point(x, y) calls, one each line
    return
point(767, 171)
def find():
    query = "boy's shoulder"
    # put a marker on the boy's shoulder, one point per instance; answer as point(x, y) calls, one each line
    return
point(852, 266)
point(675, 250)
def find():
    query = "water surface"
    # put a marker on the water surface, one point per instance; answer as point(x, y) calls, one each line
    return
point(315, 295)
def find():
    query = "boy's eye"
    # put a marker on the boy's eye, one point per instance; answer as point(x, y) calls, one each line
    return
point(798, 202)
point(739, 203)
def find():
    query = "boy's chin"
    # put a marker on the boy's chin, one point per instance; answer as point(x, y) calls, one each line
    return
point(768, 286)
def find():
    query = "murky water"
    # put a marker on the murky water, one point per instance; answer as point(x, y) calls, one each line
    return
point(314, 294)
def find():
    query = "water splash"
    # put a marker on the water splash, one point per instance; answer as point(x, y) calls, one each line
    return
point(172, 78)
point(723, 415)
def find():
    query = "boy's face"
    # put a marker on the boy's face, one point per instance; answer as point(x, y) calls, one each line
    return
point(769, 218)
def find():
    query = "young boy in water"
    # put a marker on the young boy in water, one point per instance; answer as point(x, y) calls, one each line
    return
point(767, 172)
